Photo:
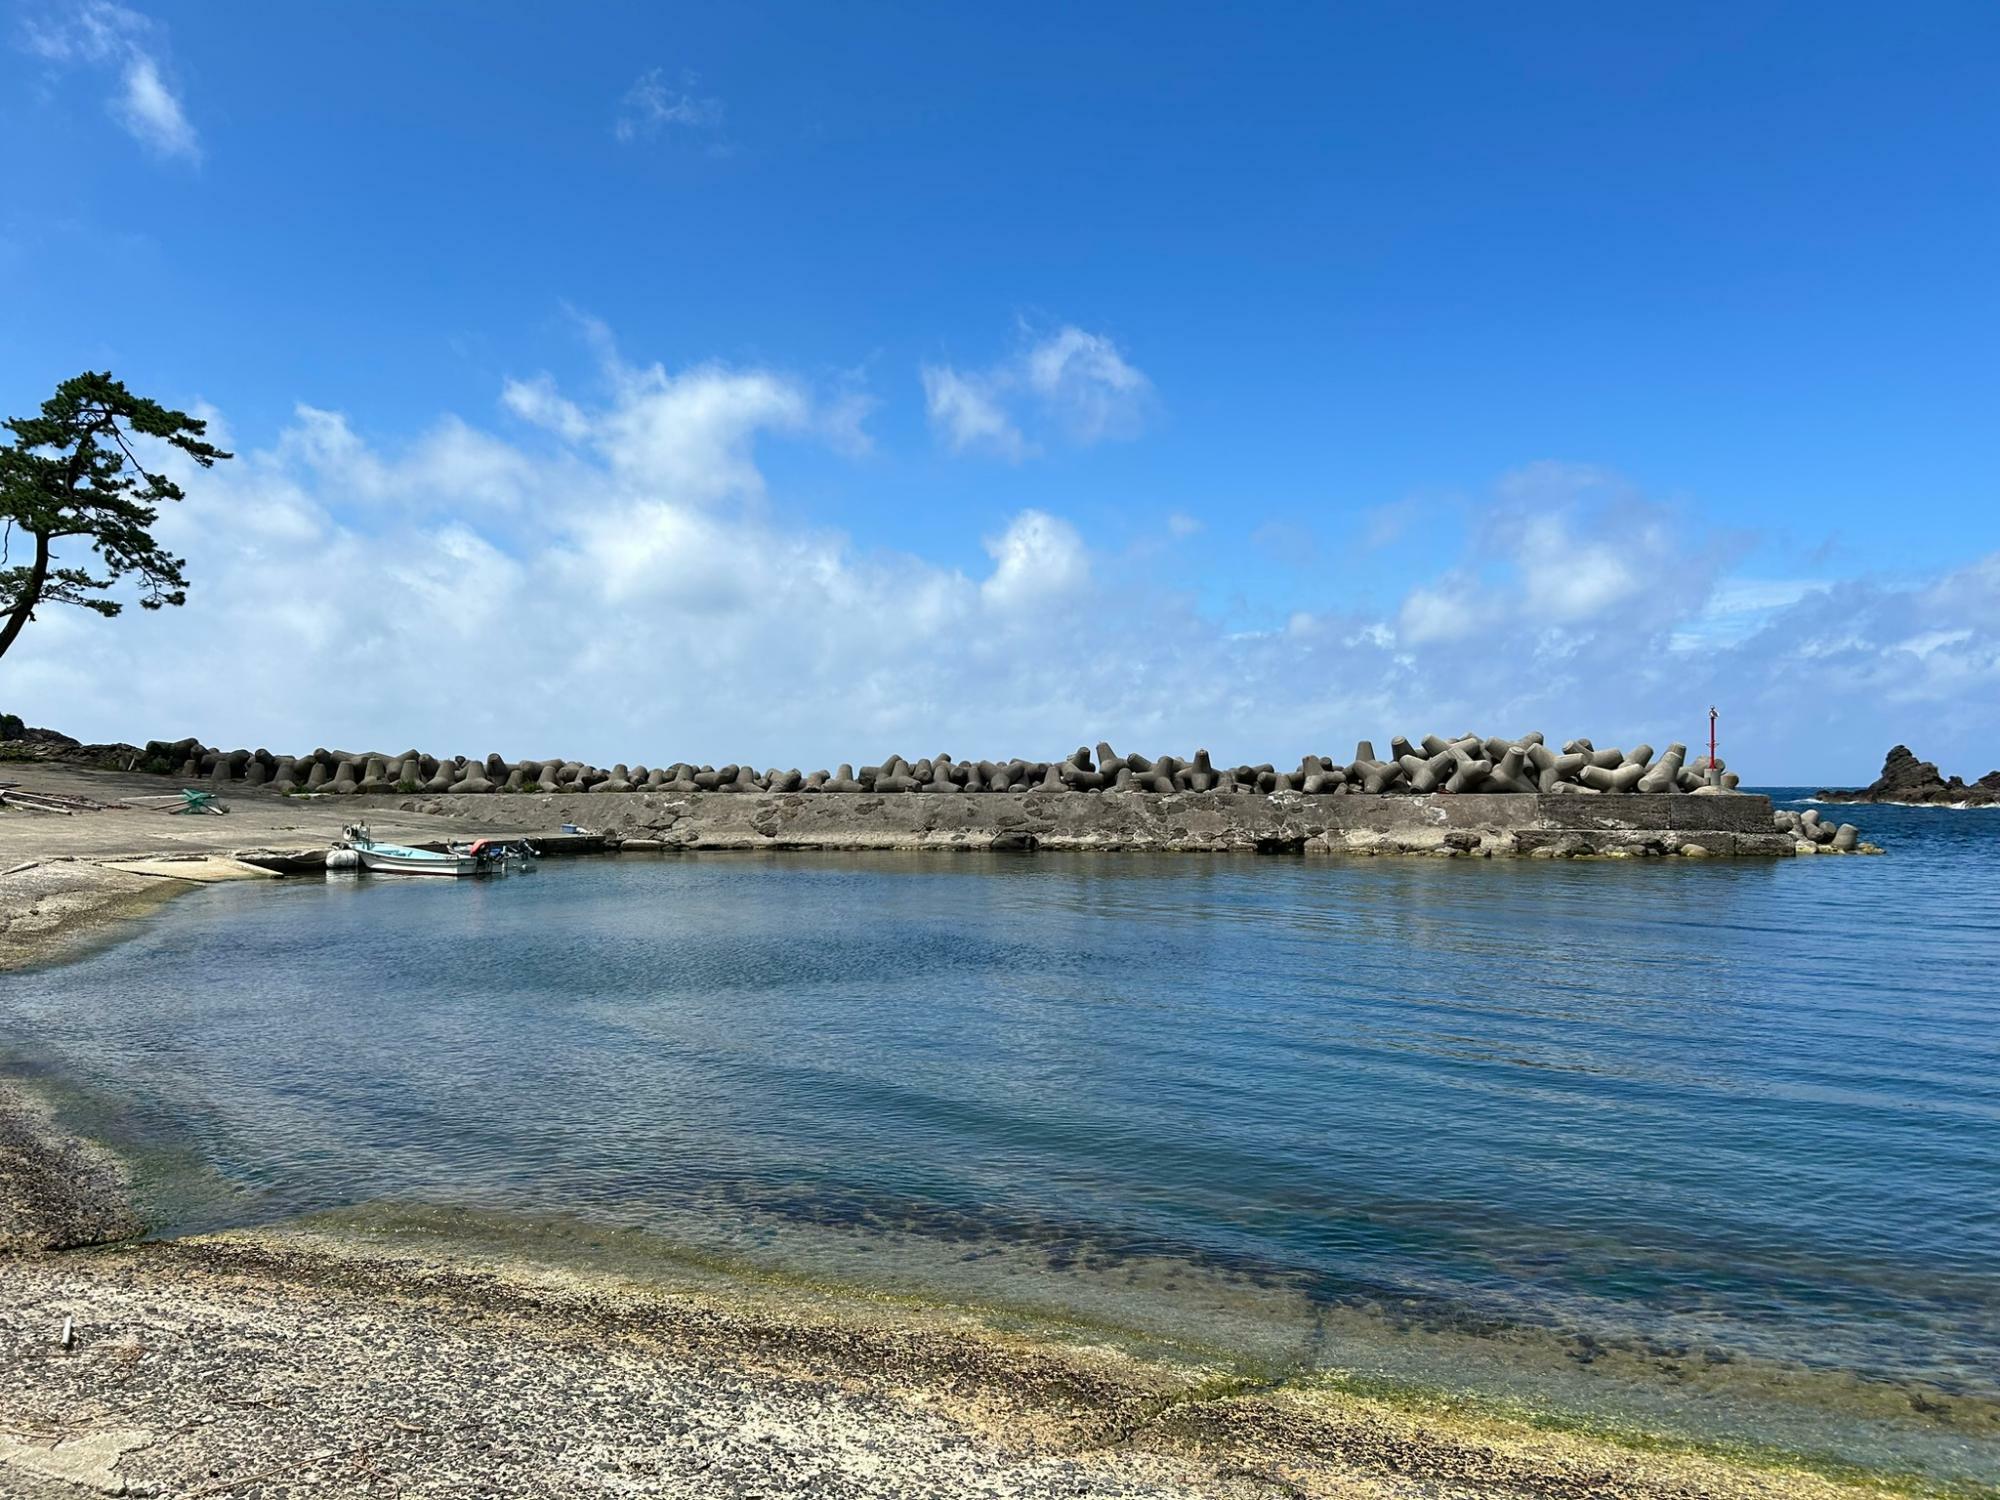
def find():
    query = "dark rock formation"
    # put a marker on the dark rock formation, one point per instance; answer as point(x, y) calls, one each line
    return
point(24, 742)
point(12, 728)
point(1904, 778)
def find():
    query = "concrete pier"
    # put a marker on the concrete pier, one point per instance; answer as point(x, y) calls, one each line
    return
point(1284, 822)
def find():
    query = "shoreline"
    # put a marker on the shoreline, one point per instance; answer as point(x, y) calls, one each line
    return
point(59, 909)
point(286, 1361)
point(291, 833)
point(58, 1190)
point(296, 1361)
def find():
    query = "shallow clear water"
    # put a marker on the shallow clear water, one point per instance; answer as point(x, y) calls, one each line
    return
point(1711, 1147)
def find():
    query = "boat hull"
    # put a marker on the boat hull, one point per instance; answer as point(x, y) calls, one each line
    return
point(416, 862)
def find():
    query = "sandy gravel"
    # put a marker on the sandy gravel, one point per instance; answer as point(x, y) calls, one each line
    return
point(56, 1192)
point(276, 1373)
point(267, 1365)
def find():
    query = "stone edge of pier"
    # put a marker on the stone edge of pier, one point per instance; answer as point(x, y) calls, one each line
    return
point(1471, 825)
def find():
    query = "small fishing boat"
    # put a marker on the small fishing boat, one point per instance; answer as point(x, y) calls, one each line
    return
point(398, 859)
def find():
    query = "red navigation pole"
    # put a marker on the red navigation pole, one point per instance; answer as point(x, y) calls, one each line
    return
point(1711, 744)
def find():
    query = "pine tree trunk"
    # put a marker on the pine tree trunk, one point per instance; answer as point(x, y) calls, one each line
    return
point(24, 607)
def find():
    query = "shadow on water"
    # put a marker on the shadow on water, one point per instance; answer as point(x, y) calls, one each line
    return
point(1703, 1148)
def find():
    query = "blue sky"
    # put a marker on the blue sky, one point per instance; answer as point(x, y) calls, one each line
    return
point(797, 384)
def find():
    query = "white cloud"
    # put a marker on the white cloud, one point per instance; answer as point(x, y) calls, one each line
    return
point(1565, 578)
point(1740, 596)
point(451, 466)
point(841, 419)
point(100, 34)
point(609, 596)
point(691, 433)
point(1738, 607)
point(1075, 383)
point(650, 106)
point(688, 431)
point(537, 401)
point(458, 581)
point(1562, 550)
point(94, 31)
point(1929, 642)
point(1036, 559)
point(1439, 613)
point(1180, 524)
point(628, 589)
point(1086, 383)
point(152, 113)
point(965, 412)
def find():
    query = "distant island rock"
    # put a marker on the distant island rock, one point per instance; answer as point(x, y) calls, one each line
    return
point(1904, 778)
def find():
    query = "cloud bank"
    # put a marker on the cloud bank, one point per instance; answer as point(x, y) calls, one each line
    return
point(609, 577)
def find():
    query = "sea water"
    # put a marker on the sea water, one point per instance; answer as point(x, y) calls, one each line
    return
point(1710, 1149)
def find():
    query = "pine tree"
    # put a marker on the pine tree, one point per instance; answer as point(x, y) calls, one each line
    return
point(70, 476)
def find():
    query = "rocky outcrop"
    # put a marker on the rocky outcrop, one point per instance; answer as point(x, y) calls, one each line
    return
point(1905, 779)
point(13, 730)
point(24, 742)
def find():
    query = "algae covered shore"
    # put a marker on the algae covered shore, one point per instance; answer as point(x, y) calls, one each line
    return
point(301, 1362)
point(365, 1352)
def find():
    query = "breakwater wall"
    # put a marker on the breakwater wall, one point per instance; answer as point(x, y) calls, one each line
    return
point(1552, 825)
point(1464, 796)
point(1525, 766)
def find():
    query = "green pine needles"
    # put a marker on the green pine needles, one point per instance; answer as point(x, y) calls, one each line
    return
point(70, 483)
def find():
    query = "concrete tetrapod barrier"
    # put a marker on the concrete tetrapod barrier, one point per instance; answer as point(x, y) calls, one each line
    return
point(1435, 765)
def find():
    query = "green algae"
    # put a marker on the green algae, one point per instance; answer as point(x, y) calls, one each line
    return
point(1201, 1372)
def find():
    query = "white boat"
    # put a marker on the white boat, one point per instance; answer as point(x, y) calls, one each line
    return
point(394, 859)
point(398, 859)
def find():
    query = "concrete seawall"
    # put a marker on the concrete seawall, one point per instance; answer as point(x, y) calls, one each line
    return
point(1469, 824)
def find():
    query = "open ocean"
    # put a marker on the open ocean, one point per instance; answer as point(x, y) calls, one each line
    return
point(1703, 1148)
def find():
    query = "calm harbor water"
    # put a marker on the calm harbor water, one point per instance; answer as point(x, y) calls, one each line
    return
point(1706, 1148)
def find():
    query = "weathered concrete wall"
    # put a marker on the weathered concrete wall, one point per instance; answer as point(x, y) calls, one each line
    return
point(1474, 824)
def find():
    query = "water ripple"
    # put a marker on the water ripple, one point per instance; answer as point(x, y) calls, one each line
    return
point(1752, 1110)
